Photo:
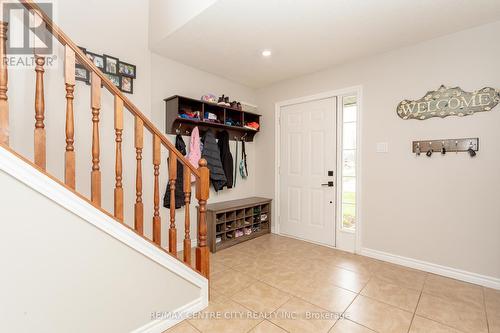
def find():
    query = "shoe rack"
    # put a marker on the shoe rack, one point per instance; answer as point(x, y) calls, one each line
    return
point(232, 222)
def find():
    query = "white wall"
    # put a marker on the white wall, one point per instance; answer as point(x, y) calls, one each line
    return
point(166, 16)
point(172, 78)
point(62, 274)
point(443, 210)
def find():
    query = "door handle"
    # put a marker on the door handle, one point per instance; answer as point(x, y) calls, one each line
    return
point(329, 184)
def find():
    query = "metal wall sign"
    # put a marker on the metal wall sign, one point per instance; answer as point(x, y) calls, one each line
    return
point(446, 102)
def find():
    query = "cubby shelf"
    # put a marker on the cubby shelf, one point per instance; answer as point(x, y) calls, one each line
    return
point(225, 218)
point(175, 105)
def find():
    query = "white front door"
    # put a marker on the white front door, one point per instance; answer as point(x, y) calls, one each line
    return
point(307, 164)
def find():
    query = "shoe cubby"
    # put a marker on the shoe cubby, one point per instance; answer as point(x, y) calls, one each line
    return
point(264, 225)
point(220, 228)
point(189, 107)
point(264, 208)
point(240, 213)
point(240, 223)
point(230, 225)
point(220, 218)
point(235, 221)
point(213, 114)
point(234, 118)
point(230, 216)
point(251, 118)
point(249, 212)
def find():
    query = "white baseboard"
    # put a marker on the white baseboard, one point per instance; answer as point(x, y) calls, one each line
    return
point(482, 280)
point(184, 312)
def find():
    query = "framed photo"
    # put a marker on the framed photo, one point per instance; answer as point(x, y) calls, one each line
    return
point(116, 79)
point(127, 70)
point(97, 59)
point(84, 50)
point(111, 64)
point(82, 74)
point(127, 85)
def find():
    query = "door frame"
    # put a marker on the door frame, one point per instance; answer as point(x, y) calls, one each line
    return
point(358, 90)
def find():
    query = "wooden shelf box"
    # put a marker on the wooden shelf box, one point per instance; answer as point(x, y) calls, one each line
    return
point(225, 218)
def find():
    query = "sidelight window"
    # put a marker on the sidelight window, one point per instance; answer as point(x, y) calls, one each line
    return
point(349, 144)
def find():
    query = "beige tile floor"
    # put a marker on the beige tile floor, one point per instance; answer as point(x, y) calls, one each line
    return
point(278, 284)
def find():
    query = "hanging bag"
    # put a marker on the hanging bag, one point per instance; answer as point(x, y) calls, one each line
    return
point(243, 162)
point(236, 164)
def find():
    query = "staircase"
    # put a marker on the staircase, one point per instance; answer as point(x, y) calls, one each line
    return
point(121, 103)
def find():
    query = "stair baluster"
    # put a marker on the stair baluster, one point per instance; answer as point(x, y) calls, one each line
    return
point(139, 205)
point(39, 134)
point(118, 159)
point(172, 231)
point(156, 198)
point(187, 222)
point(202, 194)
point(95, 93)
point(69, 155)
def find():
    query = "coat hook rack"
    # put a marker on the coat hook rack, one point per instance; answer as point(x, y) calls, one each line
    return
point(242, 138)
point(179, 130)
point(469, 145)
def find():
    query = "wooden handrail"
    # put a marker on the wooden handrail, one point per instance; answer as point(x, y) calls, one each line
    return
point(84, 60)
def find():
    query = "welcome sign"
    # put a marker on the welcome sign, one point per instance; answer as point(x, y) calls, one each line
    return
point(446, 102)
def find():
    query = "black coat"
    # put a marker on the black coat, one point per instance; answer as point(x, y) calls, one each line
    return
point(211, 154)
point(226, 157)
point(179, 184)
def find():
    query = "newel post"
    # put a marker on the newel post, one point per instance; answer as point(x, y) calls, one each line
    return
point(4, 104)
point(202, 194)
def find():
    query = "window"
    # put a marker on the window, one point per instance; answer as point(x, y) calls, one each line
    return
point(349, 114)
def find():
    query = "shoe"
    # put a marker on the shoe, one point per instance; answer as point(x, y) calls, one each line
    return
point(221, 100)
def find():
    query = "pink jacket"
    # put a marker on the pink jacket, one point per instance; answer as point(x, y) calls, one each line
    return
point(194, 150)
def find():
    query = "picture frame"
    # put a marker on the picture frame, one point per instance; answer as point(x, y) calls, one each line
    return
point(111, 64)
point(126, 69)
point(84, 50)
point(127, 84)
point(116, 79)
point(97, 59)
point(82, 73)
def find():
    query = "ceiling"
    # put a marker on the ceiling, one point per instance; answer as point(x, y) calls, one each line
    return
point(306, 36)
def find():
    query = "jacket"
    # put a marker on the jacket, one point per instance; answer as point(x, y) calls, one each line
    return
point(194, 150)
point(179, 184)
point(211, 154)
point(226, 157)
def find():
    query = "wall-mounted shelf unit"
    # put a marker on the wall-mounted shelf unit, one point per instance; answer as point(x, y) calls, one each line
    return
point(248, 218)
point(177, 105)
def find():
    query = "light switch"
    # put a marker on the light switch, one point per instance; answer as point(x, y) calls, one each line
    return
point(382, 147)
